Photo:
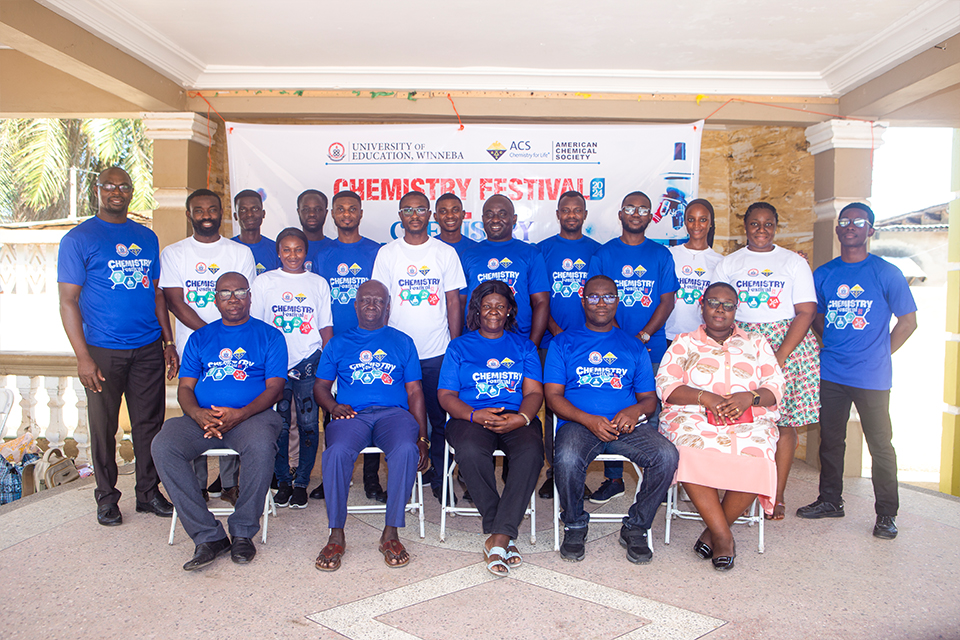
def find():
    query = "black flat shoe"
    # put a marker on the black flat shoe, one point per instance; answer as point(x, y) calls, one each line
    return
point(206, 553)
point(723, 563)
point(109, 515)
point(546, 489)
point(376, 492)
point(317, 494)
point(242, 551)
point(158, 506)
point(702, 549)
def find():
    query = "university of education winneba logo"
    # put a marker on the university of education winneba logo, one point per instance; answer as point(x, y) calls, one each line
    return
point(336, 152)
point(496, 150)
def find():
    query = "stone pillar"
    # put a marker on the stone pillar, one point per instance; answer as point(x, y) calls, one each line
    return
point(843, 173)
point(950, 442)
point(181, 142)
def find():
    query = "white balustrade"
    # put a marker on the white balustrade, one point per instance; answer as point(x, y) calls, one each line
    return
point(28, 385)
point(82, 433)
point(57, 429)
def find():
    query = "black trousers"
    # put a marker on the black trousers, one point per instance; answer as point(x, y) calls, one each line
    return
point(474, 454)
point(138, 375)
point(874, 409)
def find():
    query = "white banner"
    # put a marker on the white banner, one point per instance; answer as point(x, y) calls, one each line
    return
point(530, 164)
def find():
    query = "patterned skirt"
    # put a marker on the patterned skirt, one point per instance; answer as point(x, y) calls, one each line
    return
point(801, 397)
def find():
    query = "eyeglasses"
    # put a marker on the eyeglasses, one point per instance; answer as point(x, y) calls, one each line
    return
point(608, 298)
point(372, 300)
point(859, 223)
point(631, 210)
point(496, 215)
point(713, 303)
point(110, 188)
point(239, 294)
point(406, 212)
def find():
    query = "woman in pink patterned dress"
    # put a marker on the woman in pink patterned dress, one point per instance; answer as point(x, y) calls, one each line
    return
point(720, 387)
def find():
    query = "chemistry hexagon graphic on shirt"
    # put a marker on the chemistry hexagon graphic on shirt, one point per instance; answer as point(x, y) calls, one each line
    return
point(366, 371)
point(419, 287)
point(845, 312)
point(494, 382)
point(568, 282)
point(231, 364)
point(597, 376)
point(129, 273)
point(200, 298)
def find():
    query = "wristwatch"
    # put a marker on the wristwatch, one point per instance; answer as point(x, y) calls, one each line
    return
point(756, 398)
point(644, 337)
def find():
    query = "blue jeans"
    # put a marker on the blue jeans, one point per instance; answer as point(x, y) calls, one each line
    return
point(575, 447)
point(299, 393)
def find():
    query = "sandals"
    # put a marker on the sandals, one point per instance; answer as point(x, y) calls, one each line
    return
point(775, 515)
point(498, 555)
point(703, 550)
point(513, 552)
point(391, 549)
point(332, 553)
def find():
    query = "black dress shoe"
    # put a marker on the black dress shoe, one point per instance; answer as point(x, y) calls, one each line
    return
point(109, 515)
point(242, 550)
point(702, 549)
point(723, 563)
point(207, 552)
point(438, 494)
point(886, 527)
point(546, 489)
point(158, 505)
point(821, 509)
point(317, 494)
point(375, 492)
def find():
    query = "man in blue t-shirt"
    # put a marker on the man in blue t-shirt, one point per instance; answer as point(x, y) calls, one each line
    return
point(248, 211)
point(449, 216)
point(599, 382)
point(519, 264)
point(857, 294)
point(233, 373)
point(379, 403)
point(115, 317)
point(646, 277)
point(567, 256)
point(312, 211)
point(346, 263)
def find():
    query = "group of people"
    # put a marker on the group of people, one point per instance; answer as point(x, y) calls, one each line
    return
point(696, 367)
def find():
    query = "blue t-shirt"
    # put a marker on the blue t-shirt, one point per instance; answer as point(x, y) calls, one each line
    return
point(314, 248)
point(233, 362)
point(600, 372)
point(371, 367)
point(857, 300)
point(460, 247)
point(514, 262)
point(489, 372)
point(346, 267)
point(567, 264)
point(264, 253)
point(115, 264)
point(643, 273)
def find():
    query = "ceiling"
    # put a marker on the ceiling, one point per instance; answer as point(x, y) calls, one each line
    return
point(747, 47)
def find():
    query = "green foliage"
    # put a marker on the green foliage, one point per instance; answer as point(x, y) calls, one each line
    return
point(36, 156)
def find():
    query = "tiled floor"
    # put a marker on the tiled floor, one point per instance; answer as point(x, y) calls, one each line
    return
point(65, 576)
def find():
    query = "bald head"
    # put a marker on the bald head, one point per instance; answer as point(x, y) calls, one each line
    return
point(372, 305)
point(499, 218)
point(114, 193)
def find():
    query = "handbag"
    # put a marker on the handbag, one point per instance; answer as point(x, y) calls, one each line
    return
point(53, 470)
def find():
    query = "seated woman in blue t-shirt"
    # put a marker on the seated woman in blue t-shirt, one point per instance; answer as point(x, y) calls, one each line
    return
point(490, 384)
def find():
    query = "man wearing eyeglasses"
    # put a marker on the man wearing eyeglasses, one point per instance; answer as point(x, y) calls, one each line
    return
point(232, 374)
point(424, 277)
point(248, 211)
point(115, 317)
point(599, 382)
point(857, 294)
point(646, 278)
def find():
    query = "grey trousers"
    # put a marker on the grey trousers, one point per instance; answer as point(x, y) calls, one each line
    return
point(181, 441)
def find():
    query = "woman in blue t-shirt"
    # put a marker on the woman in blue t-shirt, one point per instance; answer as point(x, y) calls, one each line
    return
point(490, 384)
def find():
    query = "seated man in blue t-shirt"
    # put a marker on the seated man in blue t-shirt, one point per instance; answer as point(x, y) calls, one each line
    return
point(599, 382)
point(233, 372)
point(379, 403)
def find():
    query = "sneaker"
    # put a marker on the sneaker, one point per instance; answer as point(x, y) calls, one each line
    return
point(886, 527)
point(574, 546)
point(316, 494)
point(230, 494)
point(215, 488)
point(636, 544)
point(284, 493)
point(609, 490)
point(299, 499)
point(821, 509)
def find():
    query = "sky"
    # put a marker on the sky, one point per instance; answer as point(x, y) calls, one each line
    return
point(911, 170)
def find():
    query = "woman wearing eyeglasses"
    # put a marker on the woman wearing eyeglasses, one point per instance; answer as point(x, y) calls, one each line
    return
point(778, 301)
point(695, 262)
point(720, 386)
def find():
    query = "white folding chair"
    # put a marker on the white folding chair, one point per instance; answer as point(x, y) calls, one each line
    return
point(674, 511)
point(7, 399)
point(448, 502)
point(595, 516)
point(414, 506)
point(269, 508)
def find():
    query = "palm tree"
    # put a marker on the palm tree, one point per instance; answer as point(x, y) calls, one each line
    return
point(36, 156)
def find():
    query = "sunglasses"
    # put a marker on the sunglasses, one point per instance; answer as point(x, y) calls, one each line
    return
point(713, 303)
point(608, 298)
point(239, 294)
point(859, 223)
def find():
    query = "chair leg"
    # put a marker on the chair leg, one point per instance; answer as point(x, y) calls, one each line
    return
point(556, 518)
point(671, 500)
point(173, 526)
point(533, 517)
point(443, 492)
point(266, 515)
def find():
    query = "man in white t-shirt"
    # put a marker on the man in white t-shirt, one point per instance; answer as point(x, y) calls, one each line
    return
point(424, 278)
point(188, 276)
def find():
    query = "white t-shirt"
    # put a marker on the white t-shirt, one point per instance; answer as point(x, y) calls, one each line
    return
point(695, 271)
point(769, 283)
point(418, 278)
point(194, 267)
point(298, 304)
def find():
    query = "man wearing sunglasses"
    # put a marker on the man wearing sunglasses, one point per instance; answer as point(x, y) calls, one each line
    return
point(857, 294)
point(232, 374)
point(646, 277)
point(599, 382)
point(116, 319)
point(424, 277)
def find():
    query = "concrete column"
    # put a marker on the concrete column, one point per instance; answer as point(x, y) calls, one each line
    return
point(950, 443)
point(181, 142)
point(843, 173)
